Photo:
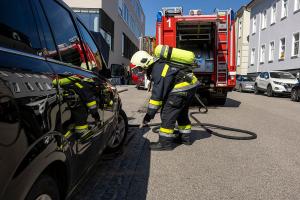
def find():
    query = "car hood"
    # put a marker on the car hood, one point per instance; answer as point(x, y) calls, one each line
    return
point(291, 81)
point(248, 82)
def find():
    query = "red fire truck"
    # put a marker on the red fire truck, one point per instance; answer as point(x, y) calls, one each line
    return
point(211, 38)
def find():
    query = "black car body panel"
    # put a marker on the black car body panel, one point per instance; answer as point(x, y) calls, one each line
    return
point(37, 110)
point(29, 124)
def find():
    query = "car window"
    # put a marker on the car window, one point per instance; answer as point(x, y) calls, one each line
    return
point(283, 75)
point(266, 75)
point(137, 71)
point(18, 28)
point(262, 75)
point(92, 53)
point(247, 78)
point(65, 34)
point(49, 47)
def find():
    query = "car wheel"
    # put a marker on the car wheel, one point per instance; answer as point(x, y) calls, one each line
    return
point(294, 95)
point(240, 88)
point(270, 91)
point(256, 91)
point(117, 140)
point(45, 188)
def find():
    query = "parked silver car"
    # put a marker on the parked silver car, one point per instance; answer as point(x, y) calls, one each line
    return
point(244, 83)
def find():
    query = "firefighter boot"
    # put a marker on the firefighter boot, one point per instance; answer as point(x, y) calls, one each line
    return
point(177, 137)
point(163, 144)
point(186, 139)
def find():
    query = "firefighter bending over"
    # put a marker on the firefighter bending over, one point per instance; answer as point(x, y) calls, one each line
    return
point(80, 108)
point(173, 90)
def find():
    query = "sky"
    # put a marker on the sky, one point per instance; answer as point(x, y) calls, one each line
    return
point(151, 7)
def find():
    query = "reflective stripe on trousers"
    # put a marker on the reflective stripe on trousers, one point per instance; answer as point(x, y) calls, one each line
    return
point(185, 129)
point(80, 129)
point(166, 132)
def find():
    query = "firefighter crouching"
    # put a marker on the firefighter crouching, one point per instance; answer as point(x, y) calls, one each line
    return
point(80, 107)
point(173, 90)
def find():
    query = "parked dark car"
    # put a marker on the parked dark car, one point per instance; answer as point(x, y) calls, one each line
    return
point(58, 114)
point(295, 94)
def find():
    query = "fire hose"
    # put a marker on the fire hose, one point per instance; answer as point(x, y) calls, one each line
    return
point(206, 126)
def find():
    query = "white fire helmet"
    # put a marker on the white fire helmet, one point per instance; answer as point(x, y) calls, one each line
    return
point(142, 59)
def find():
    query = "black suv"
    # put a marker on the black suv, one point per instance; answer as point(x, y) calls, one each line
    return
point(57, 112)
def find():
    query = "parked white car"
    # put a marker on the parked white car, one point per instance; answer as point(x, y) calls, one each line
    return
point(275, 82)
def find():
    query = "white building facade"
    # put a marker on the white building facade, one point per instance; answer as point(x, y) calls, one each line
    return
point(120, 22)
point(274, 36)
point(242, 24)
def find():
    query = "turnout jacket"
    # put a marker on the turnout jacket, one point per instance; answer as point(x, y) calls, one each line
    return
point(167, 78)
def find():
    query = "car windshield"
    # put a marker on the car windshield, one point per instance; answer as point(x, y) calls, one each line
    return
point(247, 78)
point(282, 75)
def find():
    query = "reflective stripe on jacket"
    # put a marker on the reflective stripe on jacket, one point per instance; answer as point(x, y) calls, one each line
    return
point(164, 77)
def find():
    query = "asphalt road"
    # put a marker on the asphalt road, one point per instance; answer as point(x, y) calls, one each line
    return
point(212, 168)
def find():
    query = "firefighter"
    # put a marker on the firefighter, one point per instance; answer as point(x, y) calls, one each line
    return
point(172, 91)
point(80, 108)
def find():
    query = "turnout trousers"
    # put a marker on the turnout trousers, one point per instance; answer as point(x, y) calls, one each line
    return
point(176, 109)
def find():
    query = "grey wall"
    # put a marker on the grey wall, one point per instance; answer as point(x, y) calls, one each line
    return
point(282, 28)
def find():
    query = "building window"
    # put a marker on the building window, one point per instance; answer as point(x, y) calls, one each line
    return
point(262, 53)
point(128, 47)
point(273, 13)
point(282, 49)
point(138, 9)
point(120, 7)
point(254, 25)
point(264, 20)
point(297, 5)
point(129, 19)
point(295, 50)
point(107, 37)
point(90, 17)
point(252, 59)
point(284, 9)
point(271, 51)
point(239, 58)
point(240, 28)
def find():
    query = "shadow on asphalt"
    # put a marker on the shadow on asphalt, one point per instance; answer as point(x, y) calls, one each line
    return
point(199, 135)
point(123, 175)
point(230, 103)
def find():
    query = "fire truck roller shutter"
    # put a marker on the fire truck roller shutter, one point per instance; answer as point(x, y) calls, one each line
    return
point(175, 54)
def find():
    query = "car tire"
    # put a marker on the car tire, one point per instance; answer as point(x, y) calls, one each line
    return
point(240, 88)
point(294, 95)
point(45, 188)
point(120, 134)
point(270, 91)
point(256, 90)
